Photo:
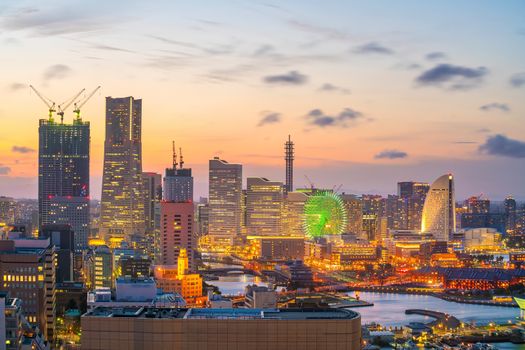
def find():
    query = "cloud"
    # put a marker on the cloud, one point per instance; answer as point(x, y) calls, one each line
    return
point(291, 78)
point(334, 88)
point(373, 48)
point(501, 145)
point(57, 71)
point(435, 56)
point(270, 118)
point(518, 80)
point(4, 170)
point(318, 118)
point(452, 77)
point(325, 32)
point(391, 154)
point(22, 149)
point(495, 106)
point(16, 86)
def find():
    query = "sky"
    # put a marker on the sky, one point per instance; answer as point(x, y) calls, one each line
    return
point(372, 92)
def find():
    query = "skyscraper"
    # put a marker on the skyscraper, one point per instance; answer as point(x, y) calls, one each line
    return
point(289, 157)
point(152, 183)
point(63, 176)
point(414, 194)
point(122, 204)
point(225, 191)
point(354, 208)
point(177, 229)
point(264, 206)
point(439, 210)
point(293, 214)
point(178, 182)
point(510, 215)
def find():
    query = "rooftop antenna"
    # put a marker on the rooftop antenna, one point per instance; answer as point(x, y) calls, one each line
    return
point(181, 163)
point(174, 155)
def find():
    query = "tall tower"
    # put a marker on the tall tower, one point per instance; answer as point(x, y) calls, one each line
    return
point(225, 197)
point(122, 204)
point(178, 181)
point(63, 176)
point(439, 211)
point(289, 157)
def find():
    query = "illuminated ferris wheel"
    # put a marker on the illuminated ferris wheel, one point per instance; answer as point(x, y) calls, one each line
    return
point(324, 214)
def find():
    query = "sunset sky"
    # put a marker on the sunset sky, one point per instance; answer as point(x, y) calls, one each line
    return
point(372, 92)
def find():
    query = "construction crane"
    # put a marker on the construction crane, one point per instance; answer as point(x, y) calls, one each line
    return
point(50, 104)
point(312, 186)
point(79, 104)
point(67, 104)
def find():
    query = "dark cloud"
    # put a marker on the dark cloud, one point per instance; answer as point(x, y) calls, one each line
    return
point(22, 149)
point(318, 118)
point(16, 86)
point(57, 71)
point(501, 145)
point(4, 170)
point(391, 154)
point(269, 118)
point(373, 48)
point(334, 88)
point(452, 77)
point(291, 78)
point(518, 80)
point(495, 106)
point(435, 56)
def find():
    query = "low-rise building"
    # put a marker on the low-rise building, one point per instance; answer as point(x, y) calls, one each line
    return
point(142, 328)
point(260, 297)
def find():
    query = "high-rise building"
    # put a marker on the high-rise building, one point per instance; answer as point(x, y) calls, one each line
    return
point(27, 269)
point(293, 214)
point(152, 183)
point(396, 212)
point(225, 192)
point(477, 205)
point(176, 231)
point(7, 210)
point(99, 267)
point(439, 210)
point(63, 176)
point(414, 194)
point(264, 206)
point(510, 215)
point(373, 210)
point(122, 204)
point(289, 157)
point(178, 181)
point(354, 209)
point(62, 237)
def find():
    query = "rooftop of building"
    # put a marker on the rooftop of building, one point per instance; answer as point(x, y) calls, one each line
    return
point(171, 313)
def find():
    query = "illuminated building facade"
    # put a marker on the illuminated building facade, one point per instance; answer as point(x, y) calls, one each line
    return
point(264, 206)
point(373, 209)
point(510, 215)
point(396, 212)
point(7, 210)
point(99, 267)
point(27, 272)
point(477, 205)
point(225, 192)
point(72, 211)
point(178, 185)
point(414, 194)
point(289, 158)
point(278, 248)
point(177, 229)
point(152, 183)
point(62, 237)
point(63, 176)
point(177, 279)
point(354, 208)
point(439, 210)
point(122, 204)
point(293, 214)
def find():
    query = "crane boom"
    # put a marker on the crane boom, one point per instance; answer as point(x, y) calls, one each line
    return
point(79, 104)
point(67, 104)
point(49, 103)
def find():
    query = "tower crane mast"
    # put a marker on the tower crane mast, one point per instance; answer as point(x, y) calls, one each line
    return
point(79, 104)
point(49, 103)
point(62, 107)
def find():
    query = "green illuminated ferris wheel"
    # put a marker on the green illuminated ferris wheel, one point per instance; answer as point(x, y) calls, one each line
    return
point(324, 214)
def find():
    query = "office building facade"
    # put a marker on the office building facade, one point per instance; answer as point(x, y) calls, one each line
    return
point(439, 211)
point(225, 197)
point(63, 176)
point(264, 207)
point(122, 203)
point(177, 227)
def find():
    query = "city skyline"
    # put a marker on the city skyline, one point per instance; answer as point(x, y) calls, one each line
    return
point(402, 99)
